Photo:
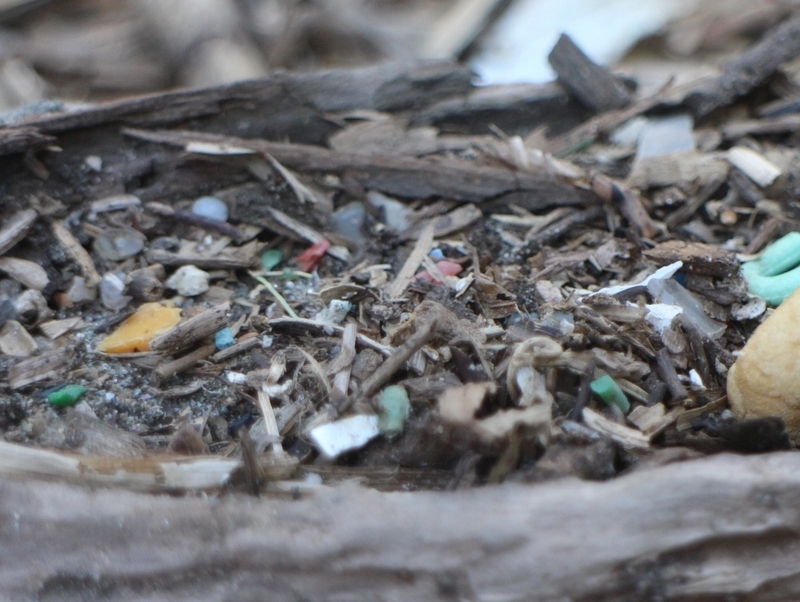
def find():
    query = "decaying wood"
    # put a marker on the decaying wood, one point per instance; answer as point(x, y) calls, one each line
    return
point(289, 105)
point(16, 228)
point(47, 365)
point(393, 363)
point(748, 70)
point(724, 526)
point(594, 86)
point(406, 177)
point(697, 258)
point(192, 330)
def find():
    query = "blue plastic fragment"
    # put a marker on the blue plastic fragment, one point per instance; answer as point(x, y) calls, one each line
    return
point(223, 338)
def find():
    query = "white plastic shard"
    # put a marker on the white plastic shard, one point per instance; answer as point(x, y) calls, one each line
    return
point(353, 432)
point(762, 171)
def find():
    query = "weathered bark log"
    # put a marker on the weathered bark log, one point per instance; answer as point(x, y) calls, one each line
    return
point(725, 527)
point(287, 105)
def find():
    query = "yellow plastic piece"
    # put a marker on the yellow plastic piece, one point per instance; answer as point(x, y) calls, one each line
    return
point(135, 333)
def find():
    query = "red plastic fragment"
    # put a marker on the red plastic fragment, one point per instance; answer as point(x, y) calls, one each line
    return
point(447, 268)
point(308, 259)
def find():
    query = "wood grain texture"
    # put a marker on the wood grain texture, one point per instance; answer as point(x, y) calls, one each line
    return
point(722, 527)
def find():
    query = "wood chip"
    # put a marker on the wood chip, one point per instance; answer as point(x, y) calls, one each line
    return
point(53, 329)
point(594, 86)
point(25, 272)
point(15, 340)
point(16, 228)
point(77, 252)
point(192, 330)
point(406, 273)
point(47, 365)
point(625, 436)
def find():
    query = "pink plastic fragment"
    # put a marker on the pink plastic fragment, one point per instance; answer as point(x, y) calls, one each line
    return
point(447, 268)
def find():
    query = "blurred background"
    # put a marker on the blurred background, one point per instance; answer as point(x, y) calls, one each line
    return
point(90, 50)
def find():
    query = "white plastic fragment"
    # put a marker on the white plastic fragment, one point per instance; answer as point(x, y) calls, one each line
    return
point(665, 136)
point(335, 438)
point(696, 381)
point(189, 281)
point(94, 163)
point(235, 378)
point(663, 273)
point(660, 315)
point(762, 171)
point(210, 207)
point(335, 313)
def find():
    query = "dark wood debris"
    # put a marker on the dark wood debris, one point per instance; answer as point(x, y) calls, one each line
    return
point(394, 240)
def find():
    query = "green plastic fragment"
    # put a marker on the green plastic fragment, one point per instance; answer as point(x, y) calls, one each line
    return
point(66, 396)
point(608, 390)
point(394, 409)
point(270, 259)
point(771, 276)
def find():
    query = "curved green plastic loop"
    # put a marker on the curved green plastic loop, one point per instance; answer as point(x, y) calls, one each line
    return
point(771, 276)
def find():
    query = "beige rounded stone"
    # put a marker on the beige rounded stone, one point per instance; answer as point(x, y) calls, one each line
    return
point(765, 380)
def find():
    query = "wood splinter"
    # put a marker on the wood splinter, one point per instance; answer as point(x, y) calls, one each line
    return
point(393, 363)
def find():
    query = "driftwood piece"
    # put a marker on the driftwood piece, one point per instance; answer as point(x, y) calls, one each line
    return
point(594, 86)
point(721, 527)
point(407, 177)
point(288, 105)
point(748, 70)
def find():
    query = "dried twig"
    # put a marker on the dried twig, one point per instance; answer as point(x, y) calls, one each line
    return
point(392, 364)
point(406, 273)
point(192, 330)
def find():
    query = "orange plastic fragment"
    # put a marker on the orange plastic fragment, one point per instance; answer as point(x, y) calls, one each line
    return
point(135, 333)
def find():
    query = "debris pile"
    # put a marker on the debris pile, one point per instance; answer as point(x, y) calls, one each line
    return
point(432, 285)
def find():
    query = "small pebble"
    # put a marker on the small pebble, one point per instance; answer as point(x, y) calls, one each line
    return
point(116, 244)
point(111, 289)
point(79, 292)
point(347, 221)
point(223, 338)
point(189, 281)
point(210, 207)
point(94, 163)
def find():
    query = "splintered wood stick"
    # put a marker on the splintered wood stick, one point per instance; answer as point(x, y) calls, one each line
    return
point(207, 223)
point(667, 373)
point(181, 364)
point(192, 330)
point(418, 253)
point(16, 228)
point(271, 425)
point(627, 201)
point(392, 364)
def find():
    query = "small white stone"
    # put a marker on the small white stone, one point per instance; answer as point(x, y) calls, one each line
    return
point(94, 163)
point(111, 289)
point(235, 378)
point(189, 281)
point(335, 438)
point(210, 207)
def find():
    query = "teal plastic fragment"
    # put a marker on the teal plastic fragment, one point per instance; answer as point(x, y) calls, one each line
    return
point(771, 276)
point(394, 408)
point(608, 390)
point(270, 259)
point(66, 396)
